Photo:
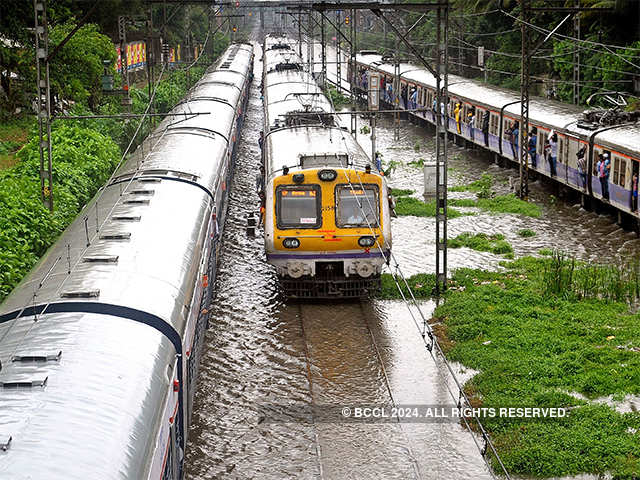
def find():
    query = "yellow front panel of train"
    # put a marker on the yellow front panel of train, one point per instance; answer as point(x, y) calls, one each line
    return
point(332, 214)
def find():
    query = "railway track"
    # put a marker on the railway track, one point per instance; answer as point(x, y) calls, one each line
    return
point(345, 368)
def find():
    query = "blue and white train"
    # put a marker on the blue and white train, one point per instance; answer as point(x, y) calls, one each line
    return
point(100, 344)
point(621, 141)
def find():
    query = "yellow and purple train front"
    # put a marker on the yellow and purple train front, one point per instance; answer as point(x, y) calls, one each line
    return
point(327, 215)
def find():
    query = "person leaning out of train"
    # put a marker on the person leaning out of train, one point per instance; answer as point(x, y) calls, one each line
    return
point(471, 118)
point(533, 141)
point(634, 192)
point(553, 152)
point(485, 126)
point(603, 166)
point(582, 165)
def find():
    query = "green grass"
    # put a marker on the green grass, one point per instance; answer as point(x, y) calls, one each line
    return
point(499, 204)
point(401, 192)
point(509, 204)
point(422, 285)
point(546, 252)
point(526, 233)
point(530, 347)
point(418, 208)
point(482, 242)
point(482, 186)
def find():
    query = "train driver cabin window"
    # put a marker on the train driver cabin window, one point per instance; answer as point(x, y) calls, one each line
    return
point(298, 206)
point(357, 206)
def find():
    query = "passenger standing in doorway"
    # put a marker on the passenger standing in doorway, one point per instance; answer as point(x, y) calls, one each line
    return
point(553, 151)
point(471, 116)
point(414, 98)
point(582, 166)
point(515, 138)
point(485, 126)
point(533, 142)
point(603, 167)
point(457, 113)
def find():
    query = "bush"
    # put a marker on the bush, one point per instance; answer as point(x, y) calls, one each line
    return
point(83, 159)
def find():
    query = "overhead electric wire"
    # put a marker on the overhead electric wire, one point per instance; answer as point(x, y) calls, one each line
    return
point(427, 330)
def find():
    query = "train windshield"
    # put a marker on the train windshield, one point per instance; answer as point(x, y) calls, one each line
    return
point(298, 207)
point(357, 206)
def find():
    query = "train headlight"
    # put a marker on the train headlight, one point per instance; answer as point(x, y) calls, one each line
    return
point(365, 269)
point(327, 175)
point(366, 241)
point(291, 243)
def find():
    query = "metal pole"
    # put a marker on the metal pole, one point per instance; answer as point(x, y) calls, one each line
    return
point(310, 42)
point(300, 34)
point(525, 79)
point(44, 106)
point(324, 51)
point(396, 95)
point(442, 81)
point(354, 73)
point(373, 139)
point(338, 51)
point(576, 56)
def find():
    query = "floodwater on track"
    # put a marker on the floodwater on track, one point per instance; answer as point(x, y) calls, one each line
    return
point(260, 352)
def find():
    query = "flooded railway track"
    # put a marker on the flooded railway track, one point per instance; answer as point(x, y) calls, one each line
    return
point(346, 369)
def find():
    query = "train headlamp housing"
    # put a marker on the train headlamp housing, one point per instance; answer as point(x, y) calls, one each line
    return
point(291, 243)
point(327, 175)
point(366, 241)
point(298, 178)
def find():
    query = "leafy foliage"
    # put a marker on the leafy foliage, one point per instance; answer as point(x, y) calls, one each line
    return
point(482, 242)
point(83, 160)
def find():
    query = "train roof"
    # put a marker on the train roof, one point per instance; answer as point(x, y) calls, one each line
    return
point(321, 146)
point(542, 111)
point(101, 409)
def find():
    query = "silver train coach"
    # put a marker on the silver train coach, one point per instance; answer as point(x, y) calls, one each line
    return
point(100, 343)
point(327, 215)
point(620, 141)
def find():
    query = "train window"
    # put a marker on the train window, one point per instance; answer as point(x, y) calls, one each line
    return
point(298, 206)
point(561, 143)
point(542, 140)
point(493, 124)
point(505, 129)
point(616, 169)
point(623, 171)
point(357, 206)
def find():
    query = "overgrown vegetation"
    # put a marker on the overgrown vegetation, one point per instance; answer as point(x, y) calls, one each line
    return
point(422, 286)
point(84, 160)
point(489, 201)
point(401, 192)
point(526, 233)
point(482, 243)
point(533, 347)
point(482, 187)
point(565, 276)
point(418, 208)
point(337, 98)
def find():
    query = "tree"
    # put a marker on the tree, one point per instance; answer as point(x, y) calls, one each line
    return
point(77, 68)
